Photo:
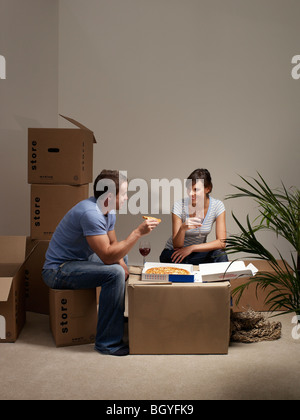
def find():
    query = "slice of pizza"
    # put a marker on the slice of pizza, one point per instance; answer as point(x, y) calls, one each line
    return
point(151, 218)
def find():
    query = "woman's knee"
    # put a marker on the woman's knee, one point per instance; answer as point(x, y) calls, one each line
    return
point(166, 256)
point(219, 256)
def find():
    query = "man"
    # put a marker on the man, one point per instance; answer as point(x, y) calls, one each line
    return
point(84, 253)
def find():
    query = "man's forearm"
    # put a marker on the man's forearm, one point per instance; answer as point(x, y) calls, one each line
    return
point(117, 250)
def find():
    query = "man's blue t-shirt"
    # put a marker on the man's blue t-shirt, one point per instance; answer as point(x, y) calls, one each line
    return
point(69, 239)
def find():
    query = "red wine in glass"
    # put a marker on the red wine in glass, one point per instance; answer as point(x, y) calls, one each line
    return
point(145, 249)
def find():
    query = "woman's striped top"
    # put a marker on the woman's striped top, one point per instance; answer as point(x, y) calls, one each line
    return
point(199, 235)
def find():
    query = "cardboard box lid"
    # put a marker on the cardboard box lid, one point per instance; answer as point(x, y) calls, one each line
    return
point(79, 125)
point(226, 271)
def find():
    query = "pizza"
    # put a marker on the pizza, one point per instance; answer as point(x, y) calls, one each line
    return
point(167, 270)
point(151, 218)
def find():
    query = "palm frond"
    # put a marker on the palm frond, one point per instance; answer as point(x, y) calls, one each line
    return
point(279, 212)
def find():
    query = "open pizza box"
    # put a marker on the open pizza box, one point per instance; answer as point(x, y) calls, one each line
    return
point(225, 271)
point(169, 278)
point(207, 272)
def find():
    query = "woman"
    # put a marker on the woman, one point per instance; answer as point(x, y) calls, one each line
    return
point(192, 220)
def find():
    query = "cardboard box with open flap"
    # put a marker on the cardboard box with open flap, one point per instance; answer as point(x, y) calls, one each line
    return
point(61, 155)
point(12, 287)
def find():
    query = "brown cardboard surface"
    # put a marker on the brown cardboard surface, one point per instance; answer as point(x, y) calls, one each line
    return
point(60, 156)
point(191, 318)
point(36, 291)
point(12, 291)
point(5, 286)
point(252, 298)
point(12, 249)
point(73, 316)
point(50, 203)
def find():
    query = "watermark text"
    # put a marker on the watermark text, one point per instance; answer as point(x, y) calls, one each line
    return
point(296, 68)
point(2, 67)
point(156, 197)
point(296, 329)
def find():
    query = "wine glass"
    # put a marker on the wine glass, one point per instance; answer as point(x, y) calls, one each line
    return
point(200, 217)
point(145, 249)
point(201, 221)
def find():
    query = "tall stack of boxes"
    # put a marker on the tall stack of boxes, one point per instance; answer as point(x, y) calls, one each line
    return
point(60, 168)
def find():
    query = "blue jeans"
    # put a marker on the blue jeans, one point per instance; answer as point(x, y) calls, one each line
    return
point(90, 274)
point(196, 258)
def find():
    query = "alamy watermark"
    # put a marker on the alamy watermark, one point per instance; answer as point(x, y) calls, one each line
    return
point(2, 67)
point(296, 68)
point(156, 197)
point(296, 329)
point(2, 328)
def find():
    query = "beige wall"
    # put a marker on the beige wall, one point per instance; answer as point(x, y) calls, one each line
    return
point(172, 85)
point(167, 86)
point(28, 98)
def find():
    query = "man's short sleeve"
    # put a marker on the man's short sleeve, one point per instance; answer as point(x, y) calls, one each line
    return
point(93, 223)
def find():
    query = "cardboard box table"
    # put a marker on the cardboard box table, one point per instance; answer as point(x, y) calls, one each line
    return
point(178, 318)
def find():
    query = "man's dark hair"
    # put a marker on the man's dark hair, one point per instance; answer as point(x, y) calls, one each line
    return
point(108, 181)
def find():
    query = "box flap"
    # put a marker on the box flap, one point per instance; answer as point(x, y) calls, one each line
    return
point(5, 286)
point(81, 126)
point(12, 249)
point(9, 270)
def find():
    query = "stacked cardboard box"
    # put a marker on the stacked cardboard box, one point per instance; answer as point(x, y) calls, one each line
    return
point(73, 317)
point(60, 168)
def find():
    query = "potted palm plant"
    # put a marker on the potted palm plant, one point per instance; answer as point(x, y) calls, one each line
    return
point(279, 211)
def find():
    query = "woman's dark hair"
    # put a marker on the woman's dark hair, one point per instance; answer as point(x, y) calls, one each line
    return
point(200, 174)
point(108, 181)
